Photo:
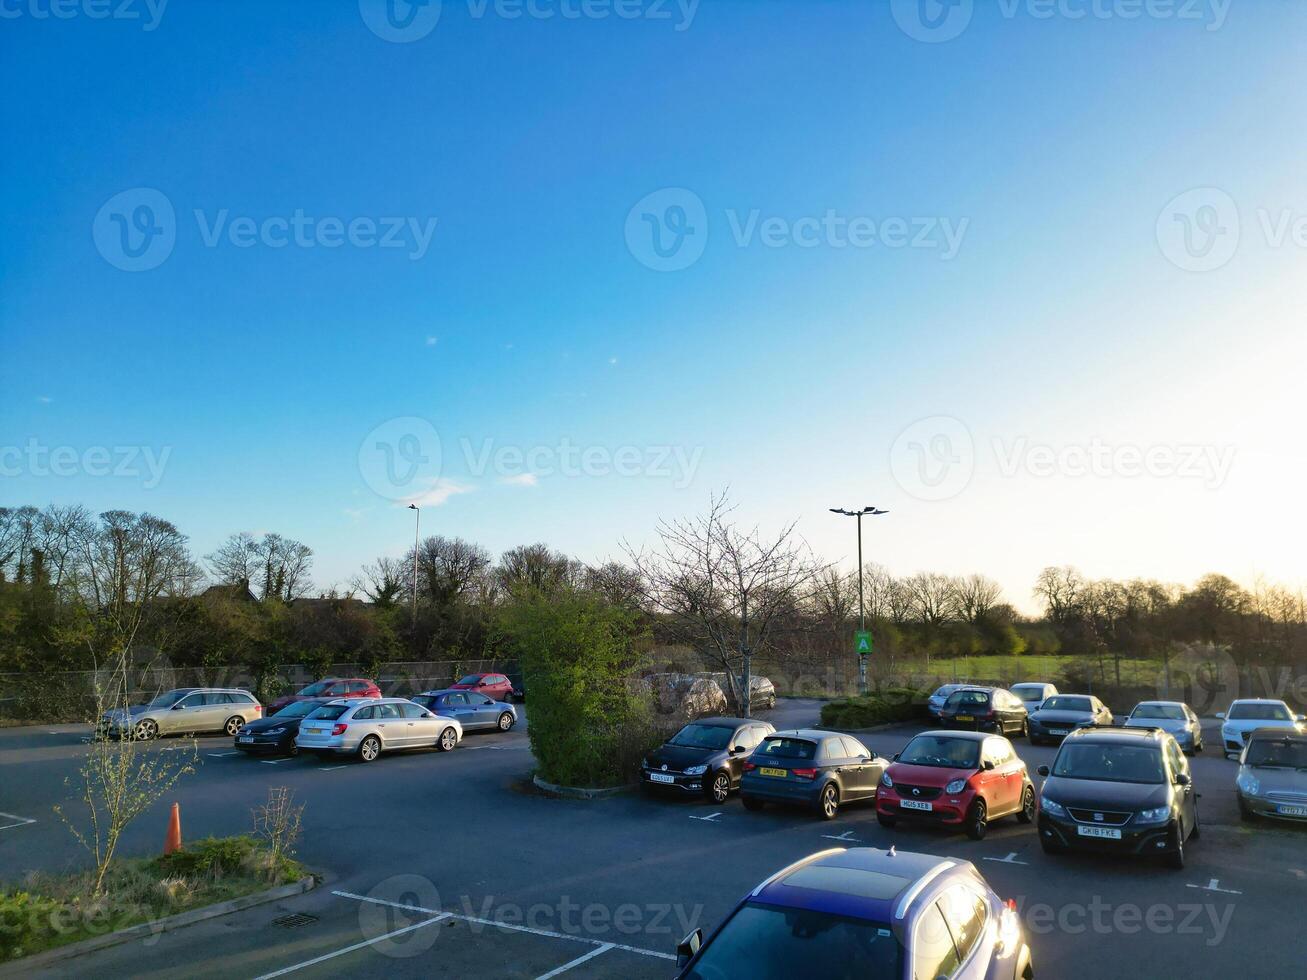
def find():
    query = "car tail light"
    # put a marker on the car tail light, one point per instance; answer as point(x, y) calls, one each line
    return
point(750, 766)
point(258, 709)
point(805, 773)
point(339, 728)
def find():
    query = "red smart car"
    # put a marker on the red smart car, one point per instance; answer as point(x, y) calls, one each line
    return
point(329, 687)
point(494, 686)
point(956, 779)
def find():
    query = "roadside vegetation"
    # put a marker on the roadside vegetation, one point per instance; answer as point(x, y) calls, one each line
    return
point(891, 704)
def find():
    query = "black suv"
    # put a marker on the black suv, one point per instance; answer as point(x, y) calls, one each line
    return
point(706, 756)
point(1125, 790)
point(985, 709)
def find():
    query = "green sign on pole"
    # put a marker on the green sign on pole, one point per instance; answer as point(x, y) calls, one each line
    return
point(862, 642)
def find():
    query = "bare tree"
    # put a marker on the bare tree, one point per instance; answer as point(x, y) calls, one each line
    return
point(976, 597)
point(619, 584)
point(382, 581)
point(932, 598)
point(727, 591)
point(535, 567)
point(284, 566)
point(447, 568)
point(236, 561)
point(1060, 588)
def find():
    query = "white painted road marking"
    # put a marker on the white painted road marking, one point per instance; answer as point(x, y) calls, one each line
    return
point(597, 951)
point(847, 837)
point(330, 768)
point(1010, 859)
point(710, 818)
point(349, 949)
point(272, 762)
point(221, 755)
point(504, 925)
point(18, 821)
point(1215, 886)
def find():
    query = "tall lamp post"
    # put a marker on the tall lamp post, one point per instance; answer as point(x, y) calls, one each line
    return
point(417, 521)
point(862, 616)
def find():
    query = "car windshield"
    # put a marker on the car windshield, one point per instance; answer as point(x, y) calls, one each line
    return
point(1260, 712)
point(788, 748)
point(296, 709)
point(766, 941)
point(1060, 702)
point(1171, 712)
point(940, 750)
point(1029, 692)
point(703, 737)
point(168, 698)
point(945, 691)
point(1110, 762)
point(968, 699)
point(316, 688)
point(1277, 753)
point(327, 712)
point(470, 680)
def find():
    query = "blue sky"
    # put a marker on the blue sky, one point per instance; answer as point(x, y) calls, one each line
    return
point(1058, 324)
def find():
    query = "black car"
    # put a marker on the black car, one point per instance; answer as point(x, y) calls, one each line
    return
point(1062, 714)
point(275, 735)
point(985, 709)
point(705, 757)
point(813, 768)
point(1123, 790)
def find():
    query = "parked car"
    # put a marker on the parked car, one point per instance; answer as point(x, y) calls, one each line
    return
point(497, 687)
point(474, 711)
point(985, 709)
point(685, 696)
point(706, 756)
point(368, 728)
point(1249, 714)
point(186, 710)
point(935, 702)
point(863, 912)
point(275, 734)
point(1033, 693)
point(762, 693)
point(1123, 790)
point(329, 687)
point(1272, 780)
point(1175, 717)
point(814, 768)
point(1063, 713)
point(957, 779)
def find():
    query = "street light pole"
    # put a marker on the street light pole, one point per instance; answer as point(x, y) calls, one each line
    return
point(862, 615)
point(417, 522)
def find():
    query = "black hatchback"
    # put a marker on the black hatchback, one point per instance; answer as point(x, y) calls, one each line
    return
point(985, 709)
point(705, 757)
point(275, 735)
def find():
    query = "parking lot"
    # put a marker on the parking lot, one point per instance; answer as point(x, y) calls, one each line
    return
point(450, 864)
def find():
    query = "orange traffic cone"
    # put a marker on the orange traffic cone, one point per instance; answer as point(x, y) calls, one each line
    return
point(173, 842)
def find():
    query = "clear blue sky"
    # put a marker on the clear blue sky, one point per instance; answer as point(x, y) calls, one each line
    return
point(788, 372)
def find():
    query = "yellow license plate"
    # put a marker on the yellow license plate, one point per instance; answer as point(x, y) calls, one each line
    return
point(772, 772)
point(965, 718)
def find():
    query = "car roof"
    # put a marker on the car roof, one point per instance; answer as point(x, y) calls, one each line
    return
point(1164, 704)
point(1290, 734)
point(1033, 684)
point(961, 736)
point(1257, 701)
point(1117, 734)
point(815, 734)
point(722, 721)
point(861, 882)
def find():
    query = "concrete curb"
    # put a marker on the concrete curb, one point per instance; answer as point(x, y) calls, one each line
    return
point(577, 792)
point(38, 960)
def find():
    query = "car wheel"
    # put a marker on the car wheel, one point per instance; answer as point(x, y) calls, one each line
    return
point(448, 740)
point(720, 787)
point(1198, 747)
point(977, 820)
point(506, 721)
point(771, 703)
point(1048, 846)
point(370, 748)
point(145, 730)
point(1025, 728)
point(752, 804)
point(1027, 812)
point(1246, 814)
point(1193, 831)
point(828, 803)
point(1175, 859)
point(233, 725)
point(885, 820)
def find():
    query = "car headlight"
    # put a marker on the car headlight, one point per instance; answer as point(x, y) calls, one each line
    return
point(1052, 807)
point(1158, 814)
point(957, 786)
point(885, 779)
point(270, 731)
point(1249, 783)
point(696, 770)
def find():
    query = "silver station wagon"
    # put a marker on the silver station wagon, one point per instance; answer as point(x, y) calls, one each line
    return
point(368, 727)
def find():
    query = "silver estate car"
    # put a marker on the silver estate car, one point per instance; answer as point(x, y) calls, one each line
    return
point(366, 727)
point(1175, 717)
point(185, 710)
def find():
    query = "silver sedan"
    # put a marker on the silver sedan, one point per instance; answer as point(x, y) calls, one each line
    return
point(367, 727)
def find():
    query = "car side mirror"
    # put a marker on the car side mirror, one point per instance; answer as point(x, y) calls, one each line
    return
point(1221, 715)
point(178, 707)
point(864, 759)
point(1182, 779)
point(1042, 770)
point(737, 749)
point(896, 757)
point(987, 764)
point(688, 946)
point(1302, 717)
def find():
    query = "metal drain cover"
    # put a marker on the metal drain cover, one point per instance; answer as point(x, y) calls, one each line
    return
point(294, 919)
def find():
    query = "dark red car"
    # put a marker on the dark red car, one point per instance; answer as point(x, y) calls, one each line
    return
point(330, 687)
point(495, 686)
point(956, 779)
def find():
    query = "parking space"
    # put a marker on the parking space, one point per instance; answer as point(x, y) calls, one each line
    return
point(449, 864)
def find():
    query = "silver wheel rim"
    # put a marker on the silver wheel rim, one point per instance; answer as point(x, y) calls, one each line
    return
point(828, 801)
point(720, 788)
point(144, 730)
point(369, 749)
point(505, 721)
point(1028, 803)
point(233, 725)
point(447, 740)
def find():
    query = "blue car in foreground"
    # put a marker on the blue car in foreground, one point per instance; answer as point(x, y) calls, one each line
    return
point(865, 913)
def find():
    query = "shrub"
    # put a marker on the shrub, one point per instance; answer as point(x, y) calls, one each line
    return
point(212, 856)
point(887, 705)
point(24, 920)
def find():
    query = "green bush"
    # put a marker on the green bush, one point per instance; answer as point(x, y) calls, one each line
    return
point(212, 855)
point(24, 920)
point(589, 726)
point(887, 705)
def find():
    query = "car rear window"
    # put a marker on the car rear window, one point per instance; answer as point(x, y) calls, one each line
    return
point(965, 698)
point(330, 711)
point(1029, 692)
point(788, 748)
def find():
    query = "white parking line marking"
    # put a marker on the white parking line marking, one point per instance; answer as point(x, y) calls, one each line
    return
point(505, 925)
point(349, 949)
point(1215, 886)
point(18, 821)
point(847, 836)
point(273, 762)
point(710, 818)
point(330, 768)
point(597, 951)
point(221, 755)
point(1010, 859)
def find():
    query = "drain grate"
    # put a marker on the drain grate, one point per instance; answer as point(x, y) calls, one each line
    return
point(294, 920)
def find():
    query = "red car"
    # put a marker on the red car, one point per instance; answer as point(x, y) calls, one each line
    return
point(494, 686)
point(330, 687)
point(956, 779)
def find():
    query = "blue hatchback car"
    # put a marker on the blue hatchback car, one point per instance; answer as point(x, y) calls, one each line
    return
point(865, 913)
